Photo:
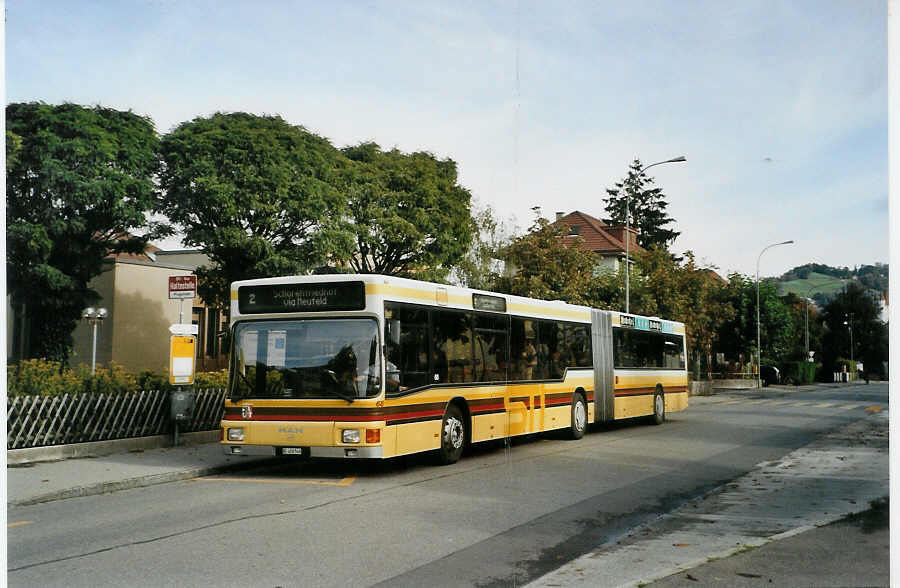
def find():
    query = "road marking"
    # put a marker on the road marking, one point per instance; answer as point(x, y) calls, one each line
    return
point(875, 408)
point(18, 524)
point(848, 407)
point(780, 402)
point(801, 404)
point(348, 481)
point(825, 405)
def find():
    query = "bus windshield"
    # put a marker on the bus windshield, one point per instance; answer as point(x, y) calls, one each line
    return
point(306, 358)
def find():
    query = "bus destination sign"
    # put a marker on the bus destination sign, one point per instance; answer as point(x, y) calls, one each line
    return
point(640, 322)
point(323, 296)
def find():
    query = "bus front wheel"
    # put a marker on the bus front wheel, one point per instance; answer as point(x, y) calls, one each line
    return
point(579, 417)
point(453, 435)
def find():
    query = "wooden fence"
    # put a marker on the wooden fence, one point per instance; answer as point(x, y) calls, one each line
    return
point(36, 421)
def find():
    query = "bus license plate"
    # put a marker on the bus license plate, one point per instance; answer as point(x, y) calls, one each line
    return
point(292, 451)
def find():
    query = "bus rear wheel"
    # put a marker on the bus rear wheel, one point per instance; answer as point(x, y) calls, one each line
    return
point(659, 408)
point(579, 417)
point(453, 435)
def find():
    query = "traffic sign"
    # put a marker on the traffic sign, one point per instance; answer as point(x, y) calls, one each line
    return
point(182, 287)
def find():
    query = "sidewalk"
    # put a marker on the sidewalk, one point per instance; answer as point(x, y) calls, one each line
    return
point(776, 526)
point(85, 476)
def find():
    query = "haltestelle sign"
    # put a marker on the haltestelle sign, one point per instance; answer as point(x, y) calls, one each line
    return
point(182, 287)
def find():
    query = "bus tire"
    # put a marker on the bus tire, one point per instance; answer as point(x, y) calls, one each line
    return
point(659, 408)
point(579, 416)
point(453, 435)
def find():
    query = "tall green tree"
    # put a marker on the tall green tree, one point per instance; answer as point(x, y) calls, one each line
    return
point(408, 213)
point(855, 307)
point(79, 181)
point(481, 266)
point(647, 205)
point(540, 265)
point(777, 328)
point(256, 194)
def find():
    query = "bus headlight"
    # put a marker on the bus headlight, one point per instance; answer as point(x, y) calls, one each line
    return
point(350, 436)
point(236, 434)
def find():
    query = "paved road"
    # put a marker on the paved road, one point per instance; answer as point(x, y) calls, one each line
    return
point(500, 517)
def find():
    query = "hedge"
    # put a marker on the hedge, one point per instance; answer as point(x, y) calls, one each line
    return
point(41, 377)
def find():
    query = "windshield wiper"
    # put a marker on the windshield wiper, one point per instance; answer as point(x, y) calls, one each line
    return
point(337, 387)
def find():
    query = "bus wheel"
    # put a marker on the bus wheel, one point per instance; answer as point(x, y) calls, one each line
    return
point(579, 417)
point(659, 408)
point(453, 435)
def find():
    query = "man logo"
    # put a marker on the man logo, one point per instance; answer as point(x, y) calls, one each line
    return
point(247, 412)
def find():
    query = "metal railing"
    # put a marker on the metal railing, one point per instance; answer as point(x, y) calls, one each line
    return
point(37, 421)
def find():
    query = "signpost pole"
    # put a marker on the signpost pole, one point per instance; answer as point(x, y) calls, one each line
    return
point(182, 353)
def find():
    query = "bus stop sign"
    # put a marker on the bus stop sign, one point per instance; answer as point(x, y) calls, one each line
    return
point(182, 351)
point(182, 287)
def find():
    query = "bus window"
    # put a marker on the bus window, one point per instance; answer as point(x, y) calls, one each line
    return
point(452, 346)
point(491, 347)
point(410, 355)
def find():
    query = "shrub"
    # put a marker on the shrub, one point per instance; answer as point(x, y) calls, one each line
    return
point(42, 377)
point(150, 380)
point(217, 379)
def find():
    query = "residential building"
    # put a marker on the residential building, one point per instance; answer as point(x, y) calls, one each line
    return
point(605, 241)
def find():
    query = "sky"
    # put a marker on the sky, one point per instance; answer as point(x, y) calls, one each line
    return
point(781, 108)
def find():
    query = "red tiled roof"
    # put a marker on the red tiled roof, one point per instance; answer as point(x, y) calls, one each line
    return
point(597, 236)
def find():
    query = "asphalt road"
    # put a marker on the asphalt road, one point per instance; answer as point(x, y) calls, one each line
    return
point(502, 516)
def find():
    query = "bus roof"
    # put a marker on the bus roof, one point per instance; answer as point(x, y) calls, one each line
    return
point(428, 293)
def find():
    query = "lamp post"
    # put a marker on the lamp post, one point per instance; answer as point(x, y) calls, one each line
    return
point(849, 323)
point(94, 317)
point(678, 159)
point(758, 338)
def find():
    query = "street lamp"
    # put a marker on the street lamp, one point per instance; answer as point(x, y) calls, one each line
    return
point(94, 317)
point(850, 328)
point(758, 339)
point(627, 223)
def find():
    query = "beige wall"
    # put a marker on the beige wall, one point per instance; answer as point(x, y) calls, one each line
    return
point(135, 333)
point(104, 284)
point(142, 316)
point(605, 263)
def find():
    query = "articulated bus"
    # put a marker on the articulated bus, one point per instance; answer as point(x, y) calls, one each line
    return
point(371, 366)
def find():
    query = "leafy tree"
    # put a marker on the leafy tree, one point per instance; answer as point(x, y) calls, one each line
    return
point(663, 287)
point(408, 214)
point(256, 194)
point(480, 267)
point(797, 306)
point(78, 179)
point(738, 335)
point(647, 205)
point(869, 333)
point(539, 265)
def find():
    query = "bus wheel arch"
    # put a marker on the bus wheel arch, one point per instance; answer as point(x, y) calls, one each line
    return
point(578, 424)
point(455, 432)
point(659, 406)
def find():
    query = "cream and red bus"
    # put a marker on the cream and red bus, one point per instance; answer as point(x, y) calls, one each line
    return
point(371, 366)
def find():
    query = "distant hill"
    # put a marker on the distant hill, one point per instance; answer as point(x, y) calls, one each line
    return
point(822, 282)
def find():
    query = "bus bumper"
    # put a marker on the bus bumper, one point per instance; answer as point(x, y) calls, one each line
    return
point(327, 452)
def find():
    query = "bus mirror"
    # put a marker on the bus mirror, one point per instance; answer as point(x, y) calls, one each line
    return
point(393, 331)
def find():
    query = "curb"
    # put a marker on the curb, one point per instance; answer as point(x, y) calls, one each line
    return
point(138, 482)
point(99, 448)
